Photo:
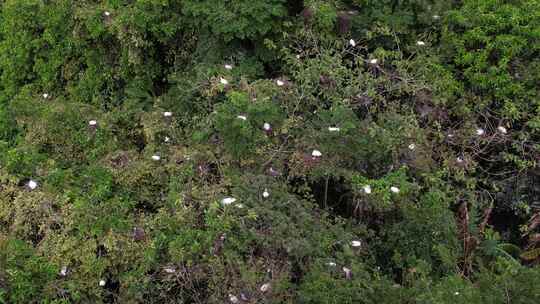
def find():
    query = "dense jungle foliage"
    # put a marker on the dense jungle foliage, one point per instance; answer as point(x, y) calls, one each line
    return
point(269, 151)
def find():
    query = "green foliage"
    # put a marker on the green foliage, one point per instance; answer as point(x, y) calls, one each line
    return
point(240, 122)
point(8, 127)
point(27, 274)
point(18, 47)
point(494, 44)
point(239, 19)
point(427, 233)
point(254, 188)
point(509, 285)
point(324, 285)
point(403, 16)
point(379, 194)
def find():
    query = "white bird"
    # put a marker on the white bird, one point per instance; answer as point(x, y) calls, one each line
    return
point(267, 126)
point(374, 61)
point(367, 189)
point(347, 272)
point(334, 129)
point(412, 146)
point(156, 157)
point(420, 43)
point(228, 67)
point(242, 117)
point(233, 299)
point(63, 271)
point(280, 83)
point(480, 131)
point(356, 243)
point(502, 129)
point(107, 13)
point(332, 264)
point(352, 42)
point(394, 189)
point(316, 153)
point(167, 114)
point(169, 269)
point(32, 185)
point(92, 123)
point(266, 194)
point(459, 159)
point(297, 56)
point(265, 287)
point(167, 139)
point(228, 200)
point(223, 81)
point(45, 95)
point(102, 283)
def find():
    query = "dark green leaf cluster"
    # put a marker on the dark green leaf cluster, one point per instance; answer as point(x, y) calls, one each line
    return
point(269, 151)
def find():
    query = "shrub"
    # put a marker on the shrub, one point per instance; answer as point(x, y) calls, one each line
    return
point(315, 151)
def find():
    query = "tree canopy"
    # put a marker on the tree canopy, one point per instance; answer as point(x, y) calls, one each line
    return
point(269, 151)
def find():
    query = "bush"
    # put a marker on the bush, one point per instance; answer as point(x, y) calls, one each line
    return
point(269, 151)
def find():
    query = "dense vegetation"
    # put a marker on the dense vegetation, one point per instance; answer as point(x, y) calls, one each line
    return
point(269, 151)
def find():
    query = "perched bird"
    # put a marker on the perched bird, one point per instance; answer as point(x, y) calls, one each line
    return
point(367, 189)
point(228, 201)
point(63, 271)
point(32, 185)
point(265, 287)
point(267, 128)
point(480, 132)
point(348, 273)
point(273, 172)
point(233, 299)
